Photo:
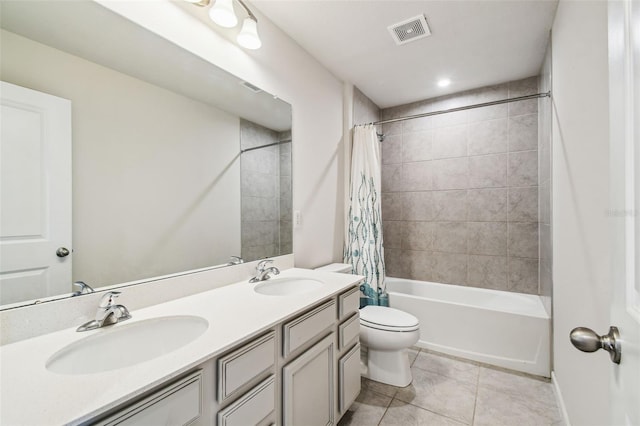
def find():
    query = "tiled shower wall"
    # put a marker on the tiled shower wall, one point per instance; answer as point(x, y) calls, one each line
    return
point(286, 197)
point(544, 184)
point(265, 175)
point(460, 190)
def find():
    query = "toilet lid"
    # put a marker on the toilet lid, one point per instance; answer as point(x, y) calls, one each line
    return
point(390, 319)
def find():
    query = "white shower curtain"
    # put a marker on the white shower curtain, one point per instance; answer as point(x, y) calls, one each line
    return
point(363, 237)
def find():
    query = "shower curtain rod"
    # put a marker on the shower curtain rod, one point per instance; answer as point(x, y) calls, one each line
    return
point(242, 151)
point(444, 111)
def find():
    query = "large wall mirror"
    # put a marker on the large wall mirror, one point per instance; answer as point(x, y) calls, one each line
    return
point(126, 158)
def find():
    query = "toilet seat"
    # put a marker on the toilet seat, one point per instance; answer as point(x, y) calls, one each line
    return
point(387, 319)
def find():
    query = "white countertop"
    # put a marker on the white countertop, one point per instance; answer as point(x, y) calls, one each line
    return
point(32, 395)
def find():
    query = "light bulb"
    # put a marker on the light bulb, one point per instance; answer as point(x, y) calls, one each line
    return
point(222, 14)
point(444, 82)
point(248, 36)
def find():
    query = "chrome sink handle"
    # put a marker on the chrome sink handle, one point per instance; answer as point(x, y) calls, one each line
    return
point(108, 298)
point(262, 265)
point(109, 312)
point(235, 260)
point(83, 288)
point(263, 272)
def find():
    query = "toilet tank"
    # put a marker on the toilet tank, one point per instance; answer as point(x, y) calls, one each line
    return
point(343, 268)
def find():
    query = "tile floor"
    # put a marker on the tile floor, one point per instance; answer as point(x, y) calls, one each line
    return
point(452, 392)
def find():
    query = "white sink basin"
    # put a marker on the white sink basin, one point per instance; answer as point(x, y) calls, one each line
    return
point(287, 286)
point(124, 345)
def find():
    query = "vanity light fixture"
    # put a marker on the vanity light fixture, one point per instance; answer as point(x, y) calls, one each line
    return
point(248, 36)
point(223, 14)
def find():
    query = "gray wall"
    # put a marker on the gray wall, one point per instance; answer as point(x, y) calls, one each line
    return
point(266, 193)
point(364, 109)
point(460, 191)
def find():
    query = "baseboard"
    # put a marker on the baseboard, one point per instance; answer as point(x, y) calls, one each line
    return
point(560, 400)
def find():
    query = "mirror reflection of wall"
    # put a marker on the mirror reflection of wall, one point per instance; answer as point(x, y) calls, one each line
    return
point(156, 163)
point(266, 191)
point(155, 174)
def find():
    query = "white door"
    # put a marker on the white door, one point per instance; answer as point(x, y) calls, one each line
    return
point(35, 194)
point(624, 77)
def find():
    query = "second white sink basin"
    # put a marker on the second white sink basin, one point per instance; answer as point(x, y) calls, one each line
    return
point(125, 345)
point(287, 286)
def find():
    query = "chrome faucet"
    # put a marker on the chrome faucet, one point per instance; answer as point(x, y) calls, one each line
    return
point(263, 273)
point(235, 260)
point(83, 288)
point(108, 313)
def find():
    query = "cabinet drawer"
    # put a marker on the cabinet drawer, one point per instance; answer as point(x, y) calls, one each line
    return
point(306, 327)
point(177, 404)
point(244, 364)
point(349, 378)
point(349, 302)
point(348, 331)
point(253, 407)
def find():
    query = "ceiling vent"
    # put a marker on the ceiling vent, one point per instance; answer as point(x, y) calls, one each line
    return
point(254, 89)
point(410, 30)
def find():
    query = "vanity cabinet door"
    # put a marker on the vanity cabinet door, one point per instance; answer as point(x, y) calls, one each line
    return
point(308, 386)
point(349, 378)
point(177, 404)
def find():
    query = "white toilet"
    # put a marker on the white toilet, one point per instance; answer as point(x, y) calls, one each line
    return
point(387, 334)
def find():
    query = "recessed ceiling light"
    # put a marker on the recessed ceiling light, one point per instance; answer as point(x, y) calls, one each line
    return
point(444, 82)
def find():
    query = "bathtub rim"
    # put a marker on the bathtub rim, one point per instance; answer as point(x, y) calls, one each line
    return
point(539, 312)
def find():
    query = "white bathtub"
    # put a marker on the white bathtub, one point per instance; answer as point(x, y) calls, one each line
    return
point(510, 330)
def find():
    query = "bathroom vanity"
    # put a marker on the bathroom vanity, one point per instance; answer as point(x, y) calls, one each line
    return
point(290, 358)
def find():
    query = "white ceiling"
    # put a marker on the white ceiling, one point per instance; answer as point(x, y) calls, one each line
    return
point(474, 43)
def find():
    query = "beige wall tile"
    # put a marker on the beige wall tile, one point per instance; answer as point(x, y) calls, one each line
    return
point(451, 173)
point(523, 204)
point(449, 206)
point(488, 171)
point(523, 168)
point(418, 206)
point(416, 146)
point(487, 272)
point(450, 268)
point(449, 142)
point(523, 240)
point(487, 205)
point(487, 238)
point(523, 132)
point(392, 149)
point(450, 237)
point(487, 137)
point(417, 176)
point(417, 235)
